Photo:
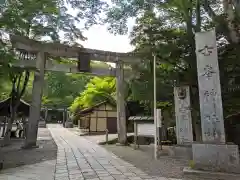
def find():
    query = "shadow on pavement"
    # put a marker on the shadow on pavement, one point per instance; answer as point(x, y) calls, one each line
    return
point(14, 155)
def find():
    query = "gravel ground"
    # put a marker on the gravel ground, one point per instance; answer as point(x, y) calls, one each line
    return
point(14, 155)
point(144, 160)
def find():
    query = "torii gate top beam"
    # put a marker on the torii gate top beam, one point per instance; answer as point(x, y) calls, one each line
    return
point(57, 49)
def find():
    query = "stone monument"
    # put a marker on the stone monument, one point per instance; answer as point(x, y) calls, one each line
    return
point(183, 115)
point(183, 123)
point(213, 154)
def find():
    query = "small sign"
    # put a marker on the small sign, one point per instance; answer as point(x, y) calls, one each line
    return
point(159, 118)
point(146, 129)
point(84, 62)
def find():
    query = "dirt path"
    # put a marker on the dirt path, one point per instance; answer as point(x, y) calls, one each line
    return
point(144, 160)
point(14, 155)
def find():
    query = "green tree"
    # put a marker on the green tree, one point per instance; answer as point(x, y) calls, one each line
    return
point(97, 90)
point(62, 88)
point(146, 35)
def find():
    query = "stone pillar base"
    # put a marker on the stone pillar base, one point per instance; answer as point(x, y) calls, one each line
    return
point(216, 157)
point(191, 174)
point(181, 151)
point(42, 124)
point(30, 146)
point(122, 144)
point(68, 124)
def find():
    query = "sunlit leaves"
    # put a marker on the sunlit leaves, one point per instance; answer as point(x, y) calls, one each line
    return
point(97, 90)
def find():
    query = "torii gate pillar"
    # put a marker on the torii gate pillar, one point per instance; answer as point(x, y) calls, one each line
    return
point(35, 108)
point(121, 111)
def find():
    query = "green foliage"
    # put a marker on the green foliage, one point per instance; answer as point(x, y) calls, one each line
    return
point(149, 30)
point(61, 89)
point(97, 90)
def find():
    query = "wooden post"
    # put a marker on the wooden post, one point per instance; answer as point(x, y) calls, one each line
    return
point(35, 108)
point(121, 114)
point(64, 117)
point(4, 126)
point(46, 114)
point(106, 136)
point(135, 135)
point(1, 123)
point(159, 128)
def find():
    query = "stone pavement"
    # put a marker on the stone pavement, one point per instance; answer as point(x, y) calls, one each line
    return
point(78, 159)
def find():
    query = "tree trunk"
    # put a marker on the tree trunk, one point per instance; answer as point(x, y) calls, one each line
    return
point(24, 127)
point(166, 120)
point(195, 117)
point(4, 126)
point(7, 137)
point(196, 126)
point(16, 95)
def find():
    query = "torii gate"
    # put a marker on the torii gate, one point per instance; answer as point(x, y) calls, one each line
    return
point(42, 63)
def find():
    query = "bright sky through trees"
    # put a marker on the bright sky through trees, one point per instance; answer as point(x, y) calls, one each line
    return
point(98, 37)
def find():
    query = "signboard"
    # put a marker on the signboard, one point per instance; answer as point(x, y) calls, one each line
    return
point(146, 129)
point(84, 62)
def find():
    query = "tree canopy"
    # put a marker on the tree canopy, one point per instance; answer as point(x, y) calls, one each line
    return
point(44, 20)
point(97, 90)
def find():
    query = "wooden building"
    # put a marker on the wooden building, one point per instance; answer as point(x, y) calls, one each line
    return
point(23, 108)
point(98, 118)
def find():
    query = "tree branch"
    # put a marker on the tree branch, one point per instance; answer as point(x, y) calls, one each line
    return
point(209, 10)
point(14, 79)
point(198, 16)
point(27, 73)
point(19, 81)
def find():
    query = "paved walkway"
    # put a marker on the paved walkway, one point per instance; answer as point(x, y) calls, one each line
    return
point(78, 159)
